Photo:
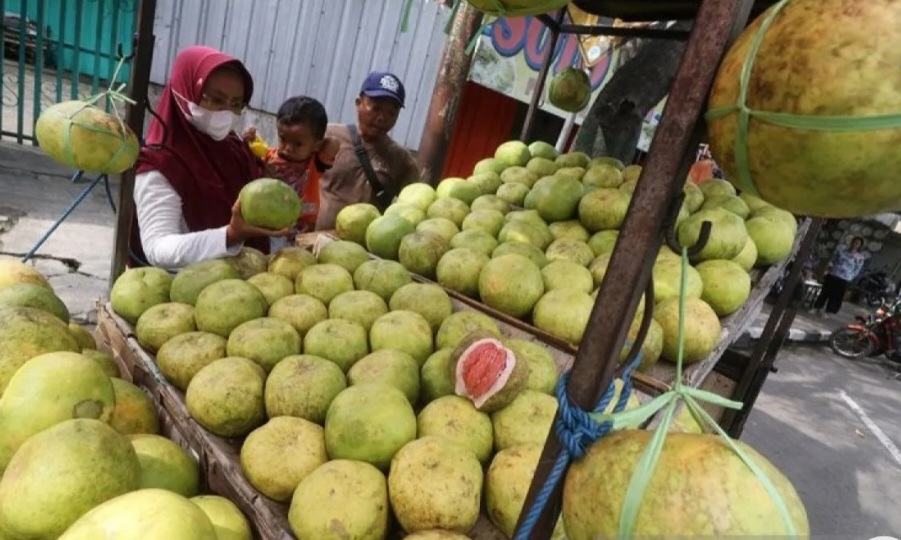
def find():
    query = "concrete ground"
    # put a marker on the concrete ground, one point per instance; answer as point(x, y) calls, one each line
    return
point(831, 425)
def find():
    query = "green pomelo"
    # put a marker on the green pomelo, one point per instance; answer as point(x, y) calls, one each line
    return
point(667, 275)
point(303, 386)
point(195, 277)
point(427, 299)
point(13, 271)
point(570, 230)
point(573, 159)
point(748, 256)
point(729, 498)
point(338, 340)
point(606, 160)
point(531, 216)
point(487, 221)
point(410, 212)
point(489, 165)
point(652, 346)
point(628, 187)
point(289, 261)
point(573, 173)
point(603, 209)
point(519, 175)
point(486, 372)
point(165, 465)
point(541, 166)
point(487, 182)
point(324, 282)
point(249, 262)
point(694, 197)
point(525, 231)
point(490, 202)
point(456, 419)
point(458, 188)
point(631, 173)
point(341, 498)
point(715, 187)
point(726, 285)
point(476, 240)
point(384, 234)
point(566, 249)
point(702, 329)
point(526, 249)
point(561, 200)
point(138, 516)
point(731, 203)
point(419, 194)
point(754, 203)
point(511, 284)
point(28, 332)
point(269, 203)
point(512, 153)
point(39, 297)
point(564, 313)
point(139, 289)
point(104, 360)
point(47, 390)
point(459, 269)
point(773, 239)
point(227, 519)
point(265, 341)
point(163, 322)
point(435, 484)
point(345, 254)
point(381, 277)
point(435, 379)
point(81, 334)
point(61, 473)
point(369, 422)
point(273, 286)
point(603, 176)
point(453, 210)
point(226, 397)
point(405, 331)
point(134, 412)
point(777, 213)
point(598, 268)
point(301, 311)
point(570, 90)
point(543, 150)
point(443, 227)
point(363, 307)
point(527, 420)
point(420, 252)
point(462, 323)
point(563, 274)
point(542, 368)
point(180, 358)
point(390, 367)
point(603, 242)
point(513, 193)
point(353, 220)
point(728, 234)
point(226, 304)
point(278, 455)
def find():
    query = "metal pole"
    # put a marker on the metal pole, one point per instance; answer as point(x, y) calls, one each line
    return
point(565, 132)
point(542, 77)
point(717, 24)
point(140, 81)
point(448, 91)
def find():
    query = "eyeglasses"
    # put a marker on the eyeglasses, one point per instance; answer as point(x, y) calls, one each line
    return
point(219, 103)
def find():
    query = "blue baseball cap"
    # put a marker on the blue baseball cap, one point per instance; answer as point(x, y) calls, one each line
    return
point(384, 84)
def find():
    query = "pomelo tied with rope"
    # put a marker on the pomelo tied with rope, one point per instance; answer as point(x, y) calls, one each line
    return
point(269, 203)
point(570, 90)
point(800, 133)
point(487, 372)
point(79, 135)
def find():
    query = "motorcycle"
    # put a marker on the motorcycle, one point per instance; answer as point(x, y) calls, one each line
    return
point(875, 334)
point(875, 288)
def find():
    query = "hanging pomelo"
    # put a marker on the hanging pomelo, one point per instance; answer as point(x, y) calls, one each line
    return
point(570, 90)
point(84, 137)
point(806, 108)
point(517, 8)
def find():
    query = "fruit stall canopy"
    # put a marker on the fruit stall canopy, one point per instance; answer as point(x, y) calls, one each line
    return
point(653, 10)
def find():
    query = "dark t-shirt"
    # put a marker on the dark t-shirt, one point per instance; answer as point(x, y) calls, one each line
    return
point(345, 183)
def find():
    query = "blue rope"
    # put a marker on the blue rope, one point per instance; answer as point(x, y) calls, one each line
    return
point(576, 430)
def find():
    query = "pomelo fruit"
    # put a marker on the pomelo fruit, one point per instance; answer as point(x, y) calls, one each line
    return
point(301, 311)
point(163, 322)
point(353, 220)
point(451, 209)
point(731, 203)
point(381, 277)
point(728, 234)
point(363, 307)
point(249, 262)
point(458, 188)
point(487, 182)
point(543, 149)
point(419, 194)
point(631, 173)
point(384, 234)
point(603, 209)
point(567, 249)
point(226, 397)
point(420, 252)
point(303, 386)
point(226, 517)
point(269, 203)
point(13, 271)
point(195, 277)
point(487, 372)
point(407, 211)
point(564, 313)
point(474, 239)
point(226, 304)
point(289, 261)
point(28, 332)
point(607, 160)
point(542, 166)
point(488, 221)
point(165, 465)
point(490, 202)
point(603, 241)
point(563, 274)
point(570, 90)
point(443, 227)
point(265, 341)
point(324, 282)
point(369, 422)
point(519, 175)
point(456, 419)
point(714, 187)
point(702, 329)
point(726, 285)
point(435, 376)
point(272, 286)
point(278, 455)
point(460, 324)
point(81, 334)
point(570, 229)
point(573, 159)
point(526, 420)
point(667, 275)
point(603, 176)
point(748, 256)
point(559, 200)
point(773, 239)
point(777, 213)
point(512, 154)
point(598, 268)
point(338, 340)
point(526, 249)
point(575, 173)
point(104, 360)
point(344, 253)
point(513, 193)
point(511, 284)
point(435, 484)
point(405, 331)
point(134, 412)
point(180, 358)
point(459, 269)
point(542, 368)
point(427, 299)
point(139, 289)
point(390, 367)
point(489, 165)
point(694, 197)
point(35, 296)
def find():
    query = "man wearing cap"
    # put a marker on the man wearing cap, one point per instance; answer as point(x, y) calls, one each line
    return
point(369, 167)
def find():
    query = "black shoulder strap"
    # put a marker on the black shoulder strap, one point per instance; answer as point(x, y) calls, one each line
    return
point(382, 196)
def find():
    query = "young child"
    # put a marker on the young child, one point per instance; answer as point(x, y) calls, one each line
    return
point(302, 155)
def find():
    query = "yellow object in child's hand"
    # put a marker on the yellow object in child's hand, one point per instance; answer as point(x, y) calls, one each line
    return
point(259, 147)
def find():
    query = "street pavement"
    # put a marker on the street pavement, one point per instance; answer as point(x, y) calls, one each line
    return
point(831, 425)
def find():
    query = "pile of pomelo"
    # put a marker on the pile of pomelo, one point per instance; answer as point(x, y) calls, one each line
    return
point(531, 232)
point(81, 453)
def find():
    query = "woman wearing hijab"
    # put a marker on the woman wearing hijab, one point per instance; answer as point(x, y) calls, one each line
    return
point(194, 165)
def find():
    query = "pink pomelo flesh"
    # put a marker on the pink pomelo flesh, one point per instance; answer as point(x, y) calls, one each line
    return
point(484, 368)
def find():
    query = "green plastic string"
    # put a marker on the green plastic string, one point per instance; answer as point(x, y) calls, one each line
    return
point(668, 403)
point(835, 123)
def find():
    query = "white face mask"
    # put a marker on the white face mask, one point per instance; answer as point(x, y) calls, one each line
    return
point(216, 124)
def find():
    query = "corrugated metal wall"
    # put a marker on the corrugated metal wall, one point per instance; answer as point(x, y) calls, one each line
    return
point(321, 48)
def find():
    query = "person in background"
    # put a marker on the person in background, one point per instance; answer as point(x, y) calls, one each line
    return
point(370, 167)
point(303, 154)
point(845, 267)
point(194, 165)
